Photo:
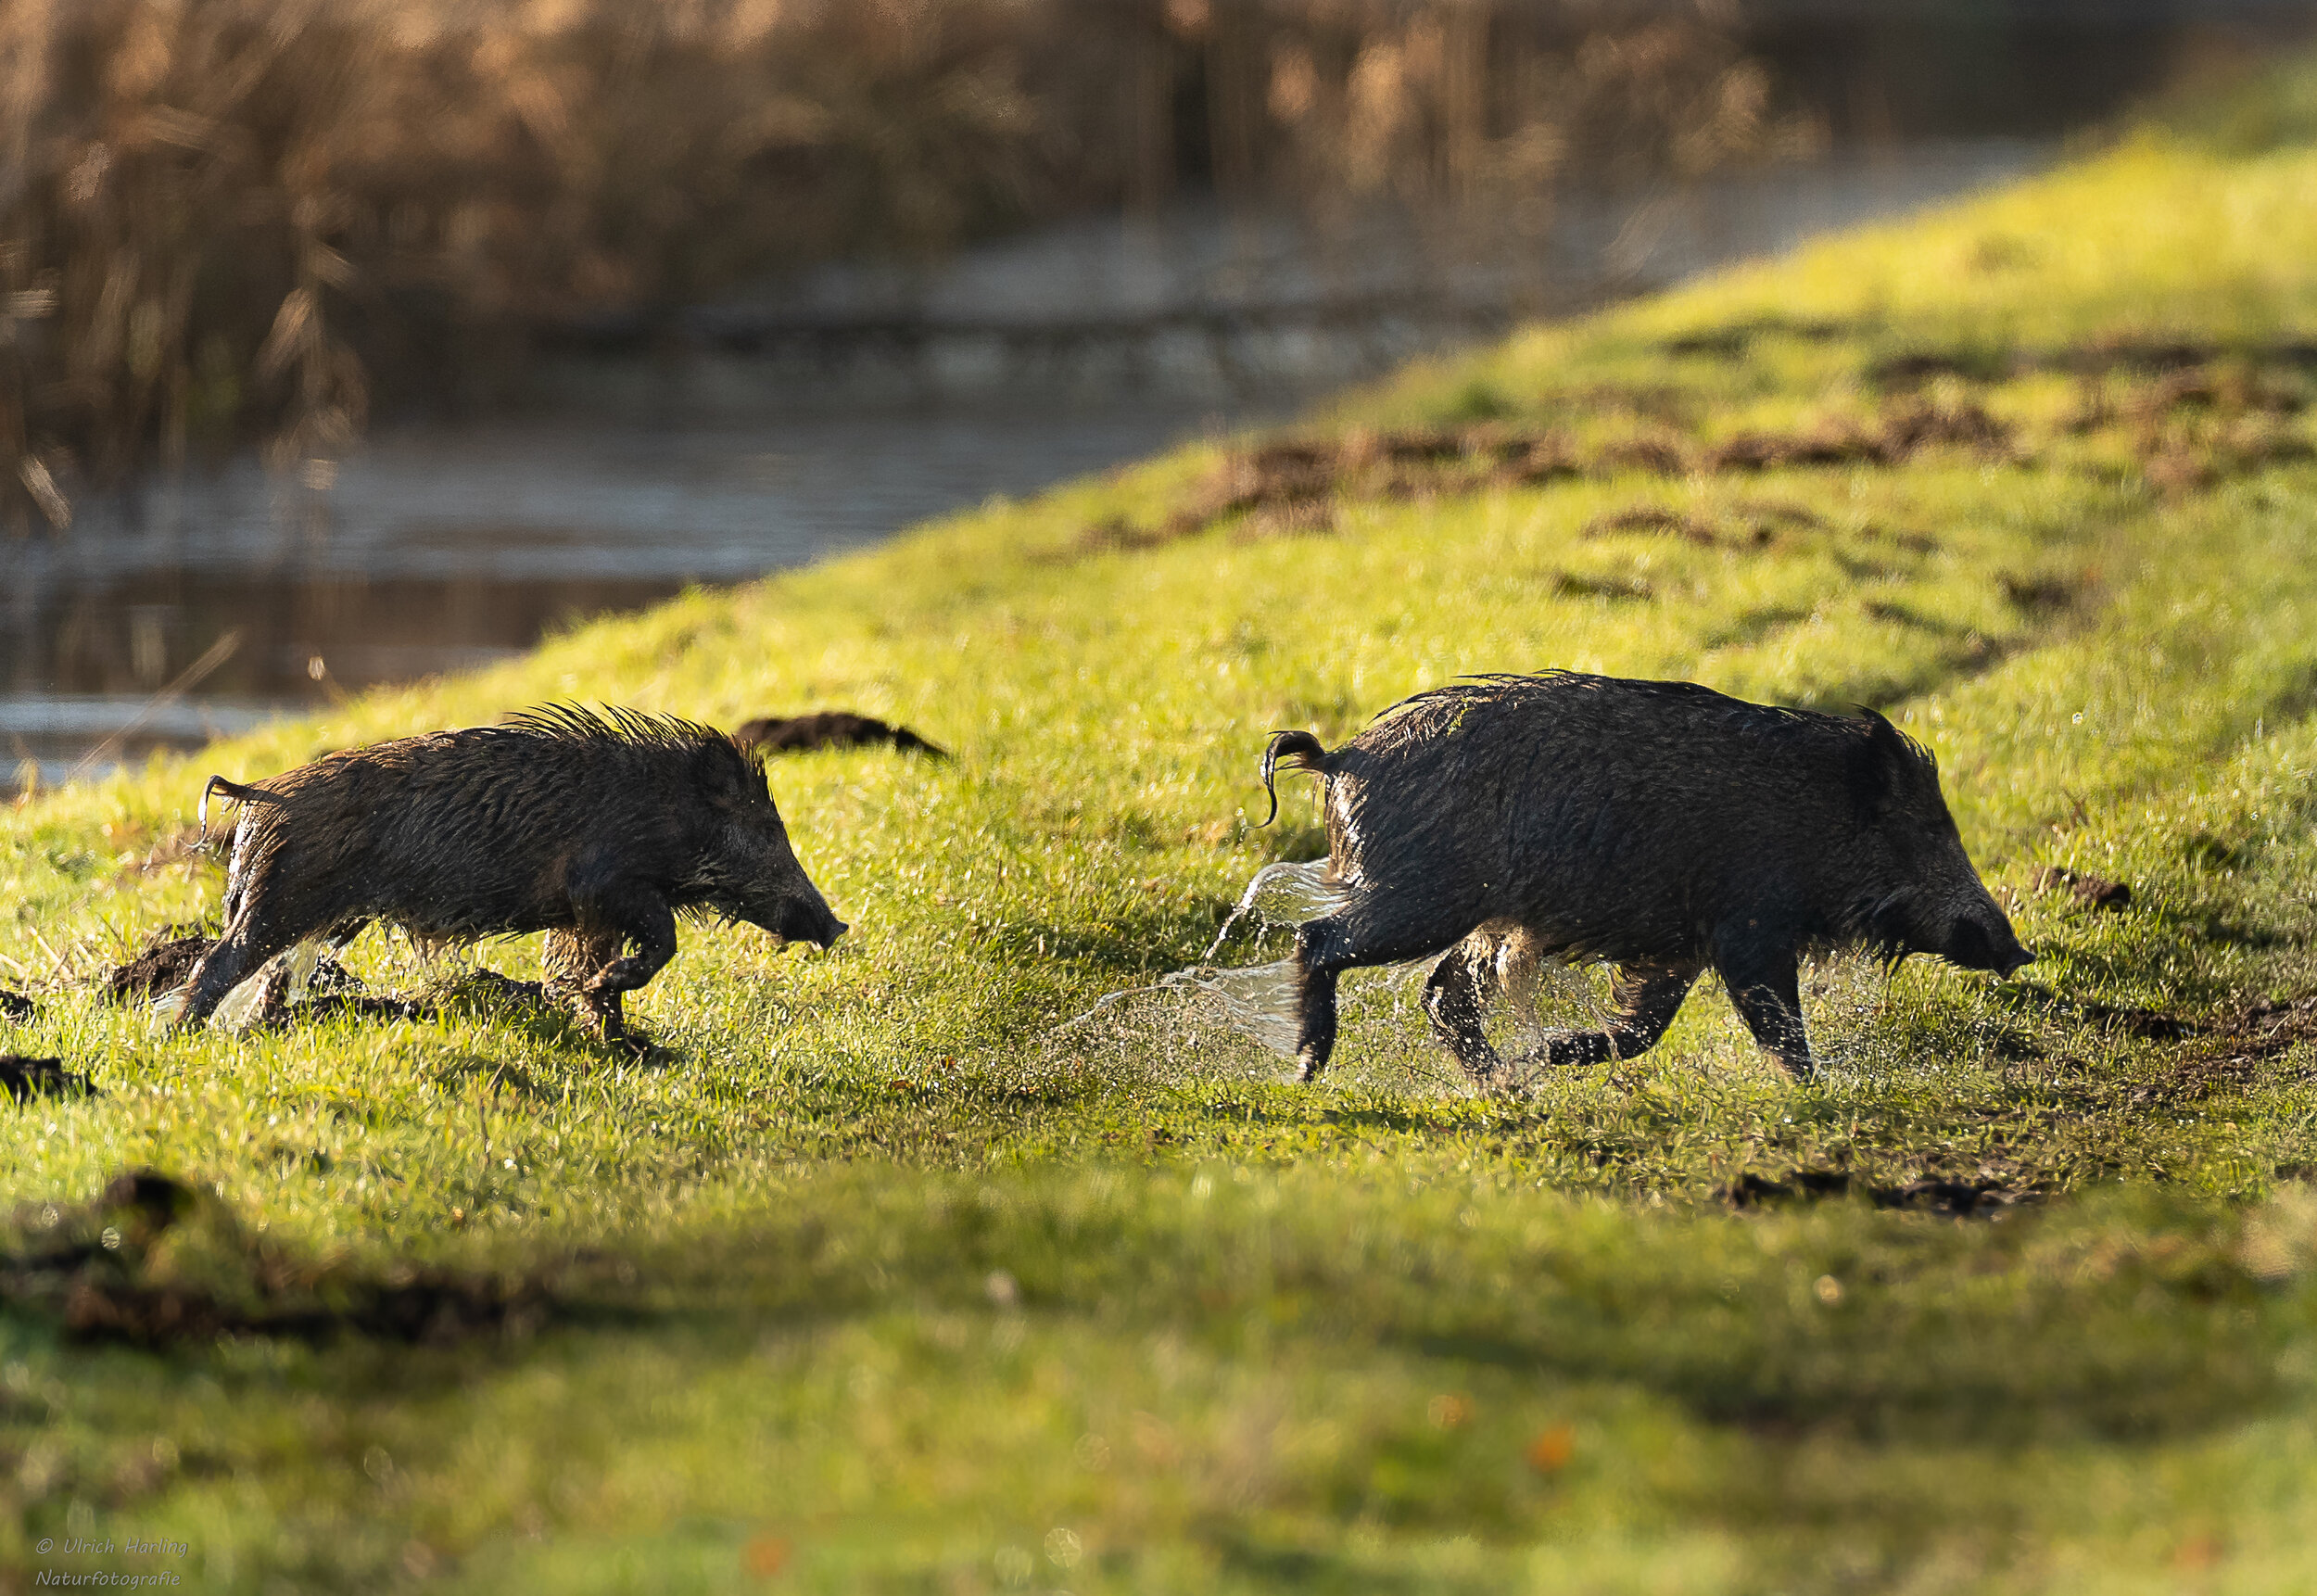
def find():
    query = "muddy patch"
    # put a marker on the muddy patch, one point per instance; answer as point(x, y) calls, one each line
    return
point(1961, 1198)
point(155, 1263)
point(2206, 1053)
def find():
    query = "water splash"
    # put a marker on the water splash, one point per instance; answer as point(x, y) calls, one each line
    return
point(1259, 1001)
point(279, 981)
point(1163, 1023)
point(1255, 1001)
point(1285, 893)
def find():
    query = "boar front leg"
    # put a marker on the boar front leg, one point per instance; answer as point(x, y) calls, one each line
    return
point(1767, 994)
point(607, 919)
point(1647, 997)
point(1454, 998)
point(573, 958)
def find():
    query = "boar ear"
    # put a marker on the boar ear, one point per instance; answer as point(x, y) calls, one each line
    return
point(731, 775)
point(1879, 763)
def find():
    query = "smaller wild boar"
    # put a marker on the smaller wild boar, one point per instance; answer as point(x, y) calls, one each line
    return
point(1659, 826)
point(596, 829)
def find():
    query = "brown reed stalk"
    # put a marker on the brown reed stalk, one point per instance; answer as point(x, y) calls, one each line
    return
point(226, 220)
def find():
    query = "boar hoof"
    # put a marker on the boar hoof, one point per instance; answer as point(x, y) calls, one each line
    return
point(1570, 1049)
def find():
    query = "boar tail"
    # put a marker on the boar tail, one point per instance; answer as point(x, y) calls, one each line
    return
point(232, 790)
point(1297, 751)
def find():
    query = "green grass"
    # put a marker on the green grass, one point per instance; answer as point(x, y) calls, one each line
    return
point(880, 1277)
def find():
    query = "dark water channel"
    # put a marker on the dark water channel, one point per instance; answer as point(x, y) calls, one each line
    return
point(852, 407)
point(436, 551)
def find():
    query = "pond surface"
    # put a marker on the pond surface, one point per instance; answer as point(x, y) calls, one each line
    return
point(795, 428)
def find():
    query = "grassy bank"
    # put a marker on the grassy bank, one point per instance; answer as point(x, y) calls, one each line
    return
point(879, 1278)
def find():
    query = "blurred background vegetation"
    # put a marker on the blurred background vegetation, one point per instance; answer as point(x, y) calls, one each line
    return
point(223, 221)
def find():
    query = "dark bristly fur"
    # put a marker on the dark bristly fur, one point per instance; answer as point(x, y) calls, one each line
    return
point(597, 827)
point(1660, 827)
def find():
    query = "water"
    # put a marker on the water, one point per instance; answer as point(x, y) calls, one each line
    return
point(1285, 893)
point(797, 427)
point(439, 551)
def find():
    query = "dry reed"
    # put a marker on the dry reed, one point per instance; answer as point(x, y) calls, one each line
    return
point(232, 220)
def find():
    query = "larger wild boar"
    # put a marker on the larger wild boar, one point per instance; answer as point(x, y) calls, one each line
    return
point(598, 828)
point(1659, 826)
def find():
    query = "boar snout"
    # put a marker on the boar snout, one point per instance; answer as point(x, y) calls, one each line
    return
point(1975, 946)
point(813, 923)
point(803, 917)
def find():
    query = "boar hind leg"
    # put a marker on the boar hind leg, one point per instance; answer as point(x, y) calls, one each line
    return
point(250, 941)
point(1358, 937)
point(1647, 996)
point(1767, 994)
point(573, 958)
point(1455, 997)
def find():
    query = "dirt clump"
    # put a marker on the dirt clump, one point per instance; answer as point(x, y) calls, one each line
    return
point(165, 964)
point(2039, 595)
point(1914, 368)
point(1298, 518)
point(1661, 456)
point(1916, 425)
point(16, 1008)
point(153, 1262)
point(1662, 519)
point(2092, 892)
point(25, 1078)
point(2130, 351)
point(1577, 585)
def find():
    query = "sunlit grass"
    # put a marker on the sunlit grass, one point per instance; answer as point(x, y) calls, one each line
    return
point(879, 1278)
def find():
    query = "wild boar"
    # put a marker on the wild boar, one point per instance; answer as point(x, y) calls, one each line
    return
point(599, 828)
point(1659, 826)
